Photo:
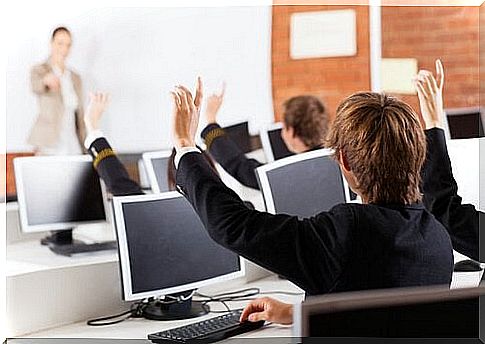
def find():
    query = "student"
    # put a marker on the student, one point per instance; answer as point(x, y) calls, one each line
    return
point(108, 166)
point(389, 241)
point(439, 187)
point(304, 128)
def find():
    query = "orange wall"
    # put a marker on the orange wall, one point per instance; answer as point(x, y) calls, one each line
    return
point(331, 79)
point(427, 33)
point(482, 54)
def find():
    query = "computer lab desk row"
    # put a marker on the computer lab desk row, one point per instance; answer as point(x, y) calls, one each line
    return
point(50, 296)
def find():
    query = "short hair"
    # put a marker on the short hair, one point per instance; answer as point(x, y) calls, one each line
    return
point(308, 118)
point(59, 29)
point(384, 144)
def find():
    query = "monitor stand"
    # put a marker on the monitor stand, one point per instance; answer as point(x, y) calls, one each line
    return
point(181, 308)
point(63, 237)
point(62, 243)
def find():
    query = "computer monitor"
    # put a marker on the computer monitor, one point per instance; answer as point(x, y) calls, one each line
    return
point(303, 185)
point(273, 145)
point(418, 312)
point(465, 123)
point(239, 133)
point(166, 251)
point(156, 164)
point(58, 193)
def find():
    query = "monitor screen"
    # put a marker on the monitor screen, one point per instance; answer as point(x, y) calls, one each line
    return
point(465, 124)
point(156, 164)
point(273, 145)
point(278, 146)
point(164, 247)
point(239, 133)
point(303, 185)
point(57, 193)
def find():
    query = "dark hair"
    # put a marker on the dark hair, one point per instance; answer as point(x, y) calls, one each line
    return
point(385, 146)
point(59, 29)
point(171, 172)
point(308, 118)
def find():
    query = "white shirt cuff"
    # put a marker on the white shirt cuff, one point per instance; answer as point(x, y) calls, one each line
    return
point(91, 137)
point(181, 152)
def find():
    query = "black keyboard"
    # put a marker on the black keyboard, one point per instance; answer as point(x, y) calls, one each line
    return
point(68, 250)
point(207, 331)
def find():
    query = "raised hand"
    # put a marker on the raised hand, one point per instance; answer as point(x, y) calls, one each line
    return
point(268, 309)
point(430, 94)
point(186, 112)
point(52, 82)
point(98, 102)
point(214, 102)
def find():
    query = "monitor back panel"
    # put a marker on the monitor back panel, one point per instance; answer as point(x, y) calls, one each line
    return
point(448, 319)
point(307, 187)
point(239, 133)
point(168, 246)
point(465, 125)
point(160, 166)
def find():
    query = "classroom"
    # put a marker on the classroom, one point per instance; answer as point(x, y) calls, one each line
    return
point(263, 170)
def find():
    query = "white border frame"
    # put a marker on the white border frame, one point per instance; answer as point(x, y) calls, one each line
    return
point(128, 294)
point(266, 143)
point(150, 170)
point(19, 184)
point(262, 172)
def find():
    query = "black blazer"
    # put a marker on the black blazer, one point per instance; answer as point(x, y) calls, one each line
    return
point(441, 198)
point(226, 152)
point(351, 247)
point(111, 170)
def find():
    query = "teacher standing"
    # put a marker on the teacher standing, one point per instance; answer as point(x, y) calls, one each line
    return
point(59, 128)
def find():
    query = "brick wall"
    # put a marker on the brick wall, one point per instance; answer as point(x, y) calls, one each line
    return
point(482, 54)
point(331, 79)
point(427, 33)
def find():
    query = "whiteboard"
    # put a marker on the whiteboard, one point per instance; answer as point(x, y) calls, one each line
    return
point(138, 55)
point(323, 34)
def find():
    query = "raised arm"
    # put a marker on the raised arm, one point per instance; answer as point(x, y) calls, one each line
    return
point(304, 251)
point(43, 81)
point(109, 167)
point(438, 184)
point(223, 149)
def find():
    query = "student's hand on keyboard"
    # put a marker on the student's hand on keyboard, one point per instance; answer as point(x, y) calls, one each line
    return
point(430, 94)
point(98, 102)
point(186, 111)
point(214, 102)
point(268, 309)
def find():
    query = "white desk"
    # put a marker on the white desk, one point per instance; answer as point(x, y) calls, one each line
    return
point(139, 328)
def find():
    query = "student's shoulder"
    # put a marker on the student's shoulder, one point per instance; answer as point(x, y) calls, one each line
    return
point(344, 212)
